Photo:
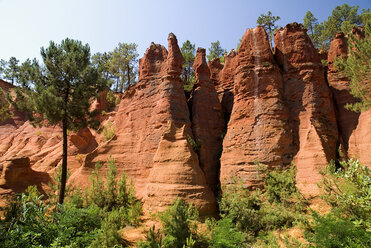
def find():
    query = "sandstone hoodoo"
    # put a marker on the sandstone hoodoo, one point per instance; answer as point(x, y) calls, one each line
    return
point(207, 119)
point(309, 100)
point(225, 87)
point(257, 132)
point(273, 109)
point(142, 116)
point(176, 173)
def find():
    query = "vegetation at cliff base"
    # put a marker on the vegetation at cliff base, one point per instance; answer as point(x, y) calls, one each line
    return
point(91, 218)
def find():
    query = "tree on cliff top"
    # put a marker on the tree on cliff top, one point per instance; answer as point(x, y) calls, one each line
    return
point(216, 51)
point(62, 92)
point(188, 52)
point(357, 67)
point(268, 22)
point(4, 107)
point(314, 29)
point(122, 65)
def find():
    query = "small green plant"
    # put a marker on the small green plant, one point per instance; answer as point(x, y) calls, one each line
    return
point(39, 133)
point(194, 144)
point(108, 131)
point(153, 239)
point(267, 64)
point(179, 224)
point(112, 99)
point(103, 113)
point(224, 234)
point(115, 196)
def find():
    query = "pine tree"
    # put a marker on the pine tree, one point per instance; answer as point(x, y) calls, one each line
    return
point(314, 28)
point(216, 51)
point(357, 67)
point(123, 65)
point(188, 51)
point(268, 23)
point(4, 107)
point(62, 92)
point(12, 70)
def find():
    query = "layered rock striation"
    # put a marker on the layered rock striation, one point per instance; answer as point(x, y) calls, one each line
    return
point(257, 132)
point(207, 120)
point(311, 110)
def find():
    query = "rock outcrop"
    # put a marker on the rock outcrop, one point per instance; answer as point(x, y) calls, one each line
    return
point(311, 111)
point(176, 173)
point(142, 117)
point(355, 137)
point(277, 109)
point(257, 131)
point(207, 119)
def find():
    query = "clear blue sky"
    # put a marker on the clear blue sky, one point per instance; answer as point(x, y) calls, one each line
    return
point(26, 25)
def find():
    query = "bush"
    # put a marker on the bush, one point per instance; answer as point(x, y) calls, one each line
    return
point(258, 212)
point(178, 223)
point(333, 231)
point(224, 234)
point(108, 131)
point(31, 222)
point(115, 196)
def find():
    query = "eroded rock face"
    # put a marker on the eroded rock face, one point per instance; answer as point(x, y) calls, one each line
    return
point(355, 137)
point(225, 87)
point(311, 112)
point(207, 119)
point(142, 116)
point(176, 173)
point(16, 175)
point(257, 130)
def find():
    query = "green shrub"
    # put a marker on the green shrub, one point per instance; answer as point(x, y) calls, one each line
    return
point(348, 191)
point(224, 234)
point(108, 131)
point(115, 195)
point(112, 99)
point(153, 239)
point(194, 144)
point(333, 231)
point(258, 212)
point(178, 223)
point(31, 222)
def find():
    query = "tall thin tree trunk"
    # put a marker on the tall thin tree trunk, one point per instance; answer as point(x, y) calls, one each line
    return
point(64, 162)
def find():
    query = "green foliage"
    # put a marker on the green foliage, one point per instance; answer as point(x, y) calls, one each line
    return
point(108, 131)
point(12, 70)
point(334, 231)
point(123, 65)
point(268, 22)
point(188, 76)
point(115, 196)
point(179, 224)
point(314, 29)
point(257, 212)
point(31, 222)
point(4, 107)
point(153, 239)
point(91, 221)
point(357, 68)
point(100, 62)
point(224, 234)
point(281, 185)
point(348, 191)
point(112, 99)
point(195, 145)
point(216, 51)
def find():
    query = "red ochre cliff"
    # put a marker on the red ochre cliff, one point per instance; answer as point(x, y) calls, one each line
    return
point(258, 108)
